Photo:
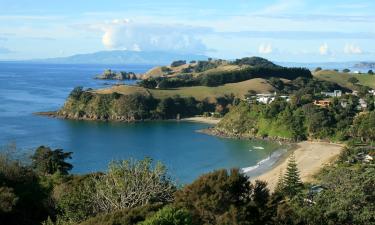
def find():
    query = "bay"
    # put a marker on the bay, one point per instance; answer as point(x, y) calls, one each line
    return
point(26, 88)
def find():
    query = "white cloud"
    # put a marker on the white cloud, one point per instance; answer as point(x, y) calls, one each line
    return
point(128, 35)
point(282, 6)
point(265, 49)
point(324, 49)
point(352, 49)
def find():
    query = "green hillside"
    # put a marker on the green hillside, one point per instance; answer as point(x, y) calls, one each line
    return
point(342, 78)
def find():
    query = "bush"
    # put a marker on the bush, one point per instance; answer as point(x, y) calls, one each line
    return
point(48, 161)
point(223, 197)
point(128, 216)
point(169, 216)
point(178, 63)
point(131, 183)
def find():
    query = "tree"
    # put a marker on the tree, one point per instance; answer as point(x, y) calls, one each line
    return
point(318, 69)
point(353, 80)
point(223, 197)
point(7, 199)
point(370, 72)
point(76, 92)
point(178, 63)
point(47, 161)
point(292, 181)
point(346, 70)
point(131, 183)
point(169, 216)
point(364, 127)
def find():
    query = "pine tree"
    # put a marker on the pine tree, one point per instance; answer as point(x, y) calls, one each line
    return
point(292, 182)
point(280, 183)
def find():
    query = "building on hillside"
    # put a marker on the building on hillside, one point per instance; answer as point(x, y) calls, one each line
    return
point(322, 103)
point(362, 104)
point(266, 98)
point(335, 93)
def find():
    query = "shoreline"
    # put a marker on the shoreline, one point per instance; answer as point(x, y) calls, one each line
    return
point(202, 119)
point(311, 157)
point(196, 119)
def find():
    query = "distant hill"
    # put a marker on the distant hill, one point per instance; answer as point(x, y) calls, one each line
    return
point(366, 65)
point(342, 78)
point(124, 57)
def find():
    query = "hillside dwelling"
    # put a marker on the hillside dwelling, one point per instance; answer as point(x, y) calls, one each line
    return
point(372, 92)
point(355, 93)
point(322, 103)
point(335, 93)
point(362, 104)
point(265, 98)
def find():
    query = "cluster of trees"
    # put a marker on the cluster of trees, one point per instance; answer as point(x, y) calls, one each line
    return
point(254, 61)
point(178, 63)
point(141, 192)
point(303, 86)
point(83, 104)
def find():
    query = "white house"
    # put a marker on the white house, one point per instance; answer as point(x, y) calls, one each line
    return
point(335, 93)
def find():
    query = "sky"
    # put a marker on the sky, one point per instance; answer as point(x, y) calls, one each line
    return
point(280, 30)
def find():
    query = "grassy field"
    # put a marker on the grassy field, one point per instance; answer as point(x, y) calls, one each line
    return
point(199, 92)
point(342, 78)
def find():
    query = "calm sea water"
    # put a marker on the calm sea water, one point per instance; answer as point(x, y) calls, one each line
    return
point(28, 88)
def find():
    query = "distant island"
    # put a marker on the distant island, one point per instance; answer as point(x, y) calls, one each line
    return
point(113, 75)
point(365, 65)
point(117, 57)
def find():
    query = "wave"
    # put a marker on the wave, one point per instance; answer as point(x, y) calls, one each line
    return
point(258, 147)
point(264, 164)
point(261, 162)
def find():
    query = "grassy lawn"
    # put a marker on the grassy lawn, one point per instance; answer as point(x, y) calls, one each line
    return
point(199, 92)
point(342, 78)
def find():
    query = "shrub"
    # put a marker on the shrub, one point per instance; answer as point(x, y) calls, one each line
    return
point(169, 216)
point(128, 216)
point(223, 197)
point(131, 183)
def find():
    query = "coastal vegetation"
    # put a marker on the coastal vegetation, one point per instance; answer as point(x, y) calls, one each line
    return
point(189, 89)
point(297, 120)
point(142, 192)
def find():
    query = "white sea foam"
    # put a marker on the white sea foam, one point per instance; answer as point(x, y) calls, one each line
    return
point(251, 168)
point(258, 147)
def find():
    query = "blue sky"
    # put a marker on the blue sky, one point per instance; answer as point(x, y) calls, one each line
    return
point(282, 30)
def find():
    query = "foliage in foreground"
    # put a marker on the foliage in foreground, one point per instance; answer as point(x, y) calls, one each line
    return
point(345, 195)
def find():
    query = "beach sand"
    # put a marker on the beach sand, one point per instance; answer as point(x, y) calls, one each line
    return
point(201, 119)
point(310, 158)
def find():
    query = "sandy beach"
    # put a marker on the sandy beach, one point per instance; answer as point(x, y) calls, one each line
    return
point(202, 119)
point(310, 158)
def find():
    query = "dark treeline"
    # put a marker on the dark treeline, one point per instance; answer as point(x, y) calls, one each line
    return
point(224, 77)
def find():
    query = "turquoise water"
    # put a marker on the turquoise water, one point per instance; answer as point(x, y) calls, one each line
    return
point(28, 88)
